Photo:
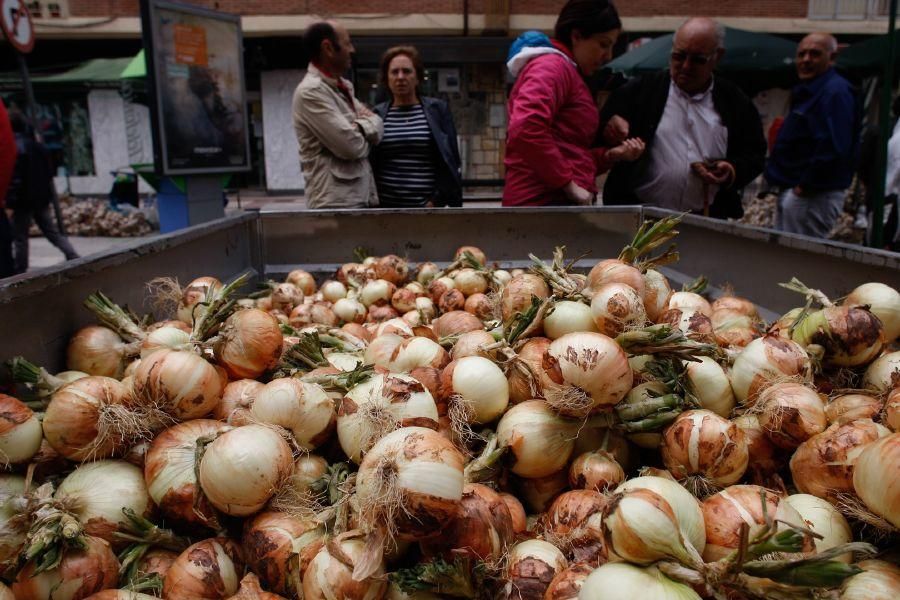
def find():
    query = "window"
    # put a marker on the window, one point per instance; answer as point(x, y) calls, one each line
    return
point(848, 9)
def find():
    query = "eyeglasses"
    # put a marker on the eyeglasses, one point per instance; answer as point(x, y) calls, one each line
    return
point(697, 59)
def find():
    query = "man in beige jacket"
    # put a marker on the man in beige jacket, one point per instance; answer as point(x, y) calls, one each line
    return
point(334, 130)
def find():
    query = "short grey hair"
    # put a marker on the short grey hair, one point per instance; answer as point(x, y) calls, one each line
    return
point(718, 29)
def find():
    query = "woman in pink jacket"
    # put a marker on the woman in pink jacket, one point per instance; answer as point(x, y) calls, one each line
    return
point(553, 120)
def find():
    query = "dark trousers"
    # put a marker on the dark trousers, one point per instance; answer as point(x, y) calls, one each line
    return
point(44, 218)
point(7, 266)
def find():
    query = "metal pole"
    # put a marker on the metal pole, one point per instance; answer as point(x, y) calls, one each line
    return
point(884, 126)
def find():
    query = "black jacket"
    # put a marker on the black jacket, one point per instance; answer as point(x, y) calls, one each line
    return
point(641, 102)
point(443, 131)
point(31, 187)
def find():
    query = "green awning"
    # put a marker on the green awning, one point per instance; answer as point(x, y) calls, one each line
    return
point(136, 68)
point(867, 57)
point(98, 70)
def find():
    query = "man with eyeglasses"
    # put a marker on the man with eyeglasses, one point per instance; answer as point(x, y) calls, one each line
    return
point(704, 137)
point(815, 152)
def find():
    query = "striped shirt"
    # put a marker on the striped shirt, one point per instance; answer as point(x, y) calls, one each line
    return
point(407, 165)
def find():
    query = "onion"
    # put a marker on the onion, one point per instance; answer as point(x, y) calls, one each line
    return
point(451, 300)
point(566, 316)
point(883, 301)
point(732, 328)
point(354, 273)
point(690, 301)
point(516, 512)
point(591, 372)
point(537, 493)
point(279, 548)
point(825, 520)
point(172, 338)
point(691, 322)
point(382, 349)
point(480, 305)
point(532, 566)
point(469, 281)
point(322, 314)
point(725, 512)
point(657, 292)
point(765, 457)
point(573, 523)
point(285, 296)
point(380, 405)
point(790, 413)
point(251, 590)
point(20, 431)
point(883, 375)
point(350, 310)
point(238, 397)
point(79, 574)
point(879, 581)
point(404, 300)
point(526, 375)
point(735, 304)
point(516, 295)
point(180, 383)
point(73, 416)
point(303, 280)
point(439, 287)
point(595, 471)
point(540, 442)
point(242, 468)
point(470, 344)
point(615, 271)
point(299, 317)
point(426, 271)
point(333, 290)
point(765, 360)
point(97, 350)
point(170, 471)
point(500, 277)
point(416, 352)
point(481, 529)
point(12, 530)
point(640, 526)
point(210, 569)
point(157, 561)
point(592, 439)
point(709, 383)
point(875, 477)
point(455, 323)
point(358, 331)
point(97, 494)
point(684, 506)
point(616, 307)
point(302, 408)
point(410, 484)
point(249, 344)
point(330, 574)
point(392, 268)
point(568, 582)
point(892, 410)
point(477, 388)
point(622, 581)
point(704, 449)
point(851, 407)
point(823, 465)
point(851, 336)
point(476, 252)
point(196, 291)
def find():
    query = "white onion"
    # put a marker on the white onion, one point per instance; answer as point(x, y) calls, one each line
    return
point(396, 326)
point(540, 441)
point(567, 316)
point(208, 570)
point(417, 352)
point(622, 581)
point(349, 310)
point(615, 271)
point(657, 292)
point(532, 566)
point(479, 385)
point(181, 383)
point(825, 520)
point(96, 350)
point(710, 385)
point(470, 344)
point(279, 548)
point(380, 405)
point(74, 413)
point(303, 280)
point(20, 431)
point(690, 301)
point(333, 290)
point(329, 577)
point(382, 349)
point(879, 581)
point(285, 296)
point(243, 467)
point(883, 375)
point(196, 291)
point(883, 301)
point(616, 307)
point(377, 293)
point(684, 505)
point(12, 504)
point(790, 414)
point(302, 408)
point(469, 281)
point(163, 338)
point(764, 361)
point(703, 447)
point(875, 477)
point(238, 397)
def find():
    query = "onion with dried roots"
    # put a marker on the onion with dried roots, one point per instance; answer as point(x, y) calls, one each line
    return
point(622, 581)
point(333, 290)
point(180, 383)
point(825, 520)
point(249, 343)
point(883, 375)
point(79, 574)
point(172, 338)
point(350, 310)
point(170, 470)
point(469, 281)
point(875, 478)
point(733, 329)
point(416, 352)
point(304, 409)
point(823, 465)
point(77, 423)
point(476, 252)
point(97, 350)
point(208, 570)
point(476, 391)
point(517, 294)
point(883, 301)
point(329, 575)
point(690, 301)
point(851, 336)
point(243, 468)
point(409, 484)
point(471, 344)
point(531, 567)
point(540, 442)
point(525, 372)
point(616, 307)
point(238, 397)
point(379, 406)
point(790, 413)
point(573, 524)
point(704, 450)
point(455, 323)
point(764, 361)
point(303, 280)
point(590, 371)
point(98, 493)
point(596, 470)
point(20, 431)
point(615, 271)
point(481, 529)
point(685, 506)
point(726, 511)
point(12, 504)
point(279, 548)
point(480, 305)
point(691, 322)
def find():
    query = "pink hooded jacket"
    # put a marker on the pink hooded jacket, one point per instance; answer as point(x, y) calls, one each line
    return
point(553, 123)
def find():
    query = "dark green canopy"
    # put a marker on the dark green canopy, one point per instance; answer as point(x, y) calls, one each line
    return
point(866, 58)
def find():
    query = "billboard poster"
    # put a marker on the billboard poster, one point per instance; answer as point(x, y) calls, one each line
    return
point(196, 72)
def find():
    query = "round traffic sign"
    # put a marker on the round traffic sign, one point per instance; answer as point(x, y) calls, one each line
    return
point(15, 20)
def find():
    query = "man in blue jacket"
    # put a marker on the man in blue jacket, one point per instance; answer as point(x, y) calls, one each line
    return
point(814, 156)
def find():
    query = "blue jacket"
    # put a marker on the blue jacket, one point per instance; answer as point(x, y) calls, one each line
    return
point(440, 122)
point(818, 144)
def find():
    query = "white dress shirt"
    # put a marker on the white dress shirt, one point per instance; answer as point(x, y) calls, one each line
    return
point(690, 131)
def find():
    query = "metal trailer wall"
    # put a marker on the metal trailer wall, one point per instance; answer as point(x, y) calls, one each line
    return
point(39, 312)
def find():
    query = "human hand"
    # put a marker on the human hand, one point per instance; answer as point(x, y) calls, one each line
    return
point(616, 130)
point(578, 194)
point(365, 111)
point(719, 172)
point(629, 150)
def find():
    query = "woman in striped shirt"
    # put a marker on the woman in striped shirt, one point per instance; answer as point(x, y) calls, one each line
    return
point(417, 162)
